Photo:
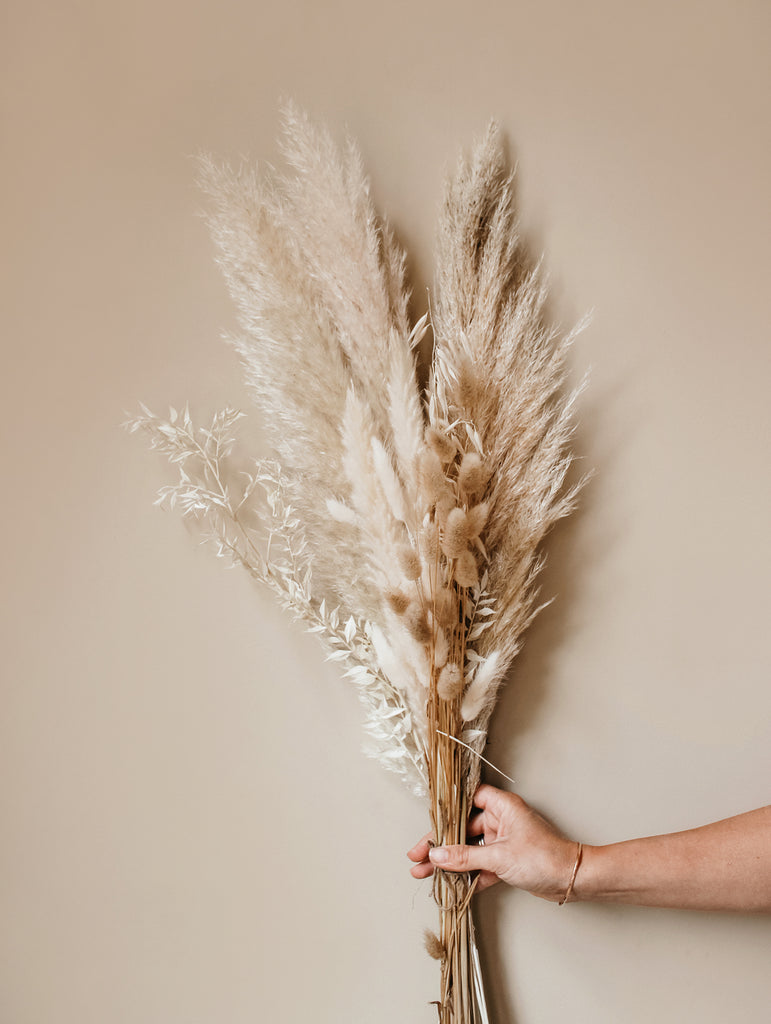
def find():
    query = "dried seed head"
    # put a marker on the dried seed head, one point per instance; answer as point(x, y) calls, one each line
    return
point(445, 608)
point(445, 504)
point(431, 476)
point(476, 518)
point(397, 601)
point(468, 384)
point(441, 444)
point(450, 682)
point(466, 574)
point(441, 648)
point(456, 533)
point(472, 475)
point(433, 945)
point(429, 541)
point(409, 562)
point(416, 622)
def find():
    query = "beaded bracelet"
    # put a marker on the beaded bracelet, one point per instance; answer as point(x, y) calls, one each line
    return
point(571, 883)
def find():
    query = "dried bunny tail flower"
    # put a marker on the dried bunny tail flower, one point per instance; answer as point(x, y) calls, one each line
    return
point(440, 443)
point(397, 601)
point(432, 480)
point(472, 475)
point(417, 623)
point(467, 392)
point(483, 686)
point(409, 562)
point(429, 541)
point(450, 682)
point(433, 945)
point(445, 505)
point(476, 518)
point(466, 573)
point(456, 533)
point(441, 648)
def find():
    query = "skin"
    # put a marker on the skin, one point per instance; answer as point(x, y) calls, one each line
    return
point(722, 866)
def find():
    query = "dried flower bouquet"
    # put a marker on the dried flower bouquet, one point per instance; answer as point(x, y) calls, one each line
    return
point(402, 527)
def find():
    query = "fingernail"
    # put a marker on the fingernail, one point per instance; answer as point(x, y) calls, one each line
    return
point(439, 855)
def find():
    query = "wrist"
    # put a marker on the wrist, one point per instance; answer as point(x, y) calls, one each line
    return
point(601, 877)
point(563, 868)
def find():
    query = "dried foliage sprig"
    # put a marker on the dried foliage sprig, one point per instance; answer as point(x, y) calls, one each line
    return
point(403, 528)
point(246, 518)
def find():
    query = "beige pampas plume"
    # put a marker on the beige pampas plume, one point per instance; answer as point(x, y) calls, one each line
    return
point(489, 313)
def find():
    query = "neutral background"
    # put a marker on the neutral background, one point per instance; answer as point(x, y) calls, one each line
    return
point(190, 834)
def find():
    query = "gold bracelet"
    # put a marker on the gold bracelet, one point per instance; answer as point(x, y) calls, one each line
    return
point(571, 883)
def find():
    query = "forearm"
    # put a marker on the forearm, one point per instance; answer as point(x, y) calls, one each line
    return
point(722, 866)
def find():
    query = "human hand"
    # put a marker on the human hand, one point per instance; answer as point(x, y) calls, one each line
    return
point(520, 847)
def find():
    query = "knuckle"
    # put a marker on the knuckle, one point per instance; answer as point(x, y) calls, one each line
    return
point(460, 856)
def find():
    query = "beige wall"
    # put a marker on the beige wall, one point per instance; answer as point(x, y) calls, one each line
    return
point(189, 831)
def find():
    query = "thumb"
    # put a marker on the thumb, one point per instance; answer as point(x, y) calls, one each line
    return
point(462, 858)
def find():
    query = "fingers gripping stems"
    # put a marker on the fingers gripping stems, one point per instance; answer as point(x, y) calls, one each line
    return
point(463, 858)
